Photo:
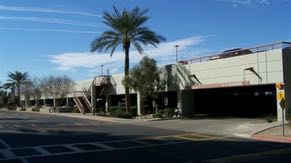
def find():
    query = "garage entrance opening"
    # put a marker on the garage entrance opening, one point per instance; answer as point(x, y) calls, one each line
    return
point(242, 101)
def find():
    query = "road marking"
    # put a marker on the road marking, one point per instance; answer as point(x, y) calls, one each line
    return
point(62, 124)
point(252, 156)
point(191, 137)
point(103, 146)
point(24, 160)
point(142, 142)
point(17, 126)
point(79, 124)
point(7, 154)
point(73, 148)
point(33, 125)
point(41, 150)
point(5, 144)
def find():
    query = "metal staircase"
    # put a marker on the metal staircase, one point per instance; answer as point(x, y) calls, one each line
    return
point(99, 83)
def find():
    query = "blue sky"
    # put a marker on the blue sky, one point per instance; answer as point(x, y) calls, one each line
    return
point(53, 37)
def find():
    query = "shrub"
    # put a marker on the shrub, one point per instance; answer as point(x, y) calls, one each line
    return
point(159, 114)
point(119, 112)
point(75, 110)
point(65, 109)
point(169, 112)
point(36, 109)
point(11, 106)
point(269, 117)
point(101, 114)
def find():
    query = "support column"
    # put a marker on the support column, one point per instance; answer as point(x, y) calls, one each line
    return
point(108, 103)
point(93, 98)
point(138, 104)
point(67, 101)
point(179, 106)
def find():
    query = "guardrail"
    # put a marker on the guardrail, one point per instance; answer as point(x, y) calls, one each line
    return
point(239, 51)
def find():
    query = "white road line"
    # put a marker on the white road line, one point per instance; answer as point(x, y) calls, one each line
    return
point(142, 142)
point(7, 154)
point(5, 144)
point(41, 150)
point(33, 125)
point(70, 146)
point(18, 126)
point(103, 146)
point(24, 160)
point(61, 124)
point(79, 124)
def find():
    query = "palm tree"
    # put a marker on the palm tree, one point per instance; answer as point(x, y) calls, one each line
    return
point(17, 79)
point(126, 29)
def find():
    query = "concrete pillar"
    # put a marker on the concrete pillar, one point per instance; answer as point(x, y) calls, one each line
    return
point(26, 104)
point(67, 101)
point(179, 105)
point(44, 102)
point(108, 103)
point(93, 97)
point(138, 104)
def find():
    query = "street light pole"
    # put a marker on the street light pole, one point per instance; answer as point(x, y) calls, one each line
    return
point(102, 69)
point(176, 46)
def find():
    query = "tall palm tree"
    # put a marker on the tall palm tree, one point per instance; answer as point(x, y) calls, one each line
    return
point(126, 29)
point(17, 79)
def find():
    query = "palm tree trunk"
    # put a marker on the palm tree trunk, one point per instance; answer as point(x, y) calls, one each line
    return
point(126, 72)
point(18, 95)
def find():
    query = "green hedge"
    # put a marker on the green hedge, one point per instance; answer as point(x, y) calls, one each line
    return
point(159, 114)
point(120, 112)
point(36, 109)
point(169, 112)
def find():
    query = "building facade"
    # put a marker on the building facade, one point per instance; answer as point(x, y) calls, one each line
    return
point(242, 82)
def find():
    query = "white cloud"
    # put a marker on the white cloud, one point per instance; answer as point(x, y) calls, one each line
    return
point(48, 30)
point(164, 54)
point(45, 20)
point(44, 10)
point(236, 3)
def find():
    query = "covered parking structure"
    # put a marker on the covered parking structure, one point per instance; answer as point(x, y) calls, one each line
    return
point(237, 101)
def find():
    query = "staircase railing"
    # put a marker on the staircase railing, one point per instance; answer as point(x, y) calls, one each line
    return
point(78, 103)
point(87, 102)
point(101, 81)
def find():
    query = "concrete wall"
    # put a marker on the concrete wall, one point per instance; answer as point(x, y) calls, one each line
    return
point(267, 64)
point(287, 77)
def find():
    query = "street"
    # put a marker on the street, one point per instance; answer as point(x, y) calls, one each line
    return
point(32, 137)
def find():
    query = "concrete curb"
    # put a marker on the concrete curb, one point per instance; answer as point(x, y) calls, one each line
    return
point(265, 129)
point(91, 117)
point(248, 130)
point(280, 139)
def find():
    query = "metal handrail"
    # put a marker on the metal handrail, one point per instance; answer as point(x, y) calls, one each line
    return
point(251, 50)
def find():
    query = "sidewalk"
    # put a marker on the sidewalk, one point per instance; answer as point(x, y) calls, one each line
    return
point(264, 131)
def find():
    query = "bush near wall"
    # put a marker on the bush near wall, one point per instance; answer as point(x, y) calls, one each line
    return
point(75, 110)
point(159, 114)
point(120, 112)
point(10, 106)
point(169, 112)
point(36, 109)
point(66, 109)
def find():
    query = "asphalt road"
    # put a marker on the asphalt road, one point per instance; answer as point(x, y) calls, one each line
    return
point(31, 137)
